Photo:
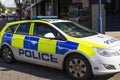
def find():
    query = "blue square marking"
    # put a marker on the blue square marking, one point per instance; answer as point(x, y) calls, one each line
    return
point(28, 43)
point(66, 46)
point(7, 38)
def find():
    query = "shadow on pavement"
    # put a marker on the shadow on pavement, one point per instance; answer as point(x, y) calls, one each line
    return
point(35, 70)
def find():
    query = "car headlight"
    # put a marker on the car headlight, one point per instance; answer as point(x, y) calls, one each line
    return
point(106, 52)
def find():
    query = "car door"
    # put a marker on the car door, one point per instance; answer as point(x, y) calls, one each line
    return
point(45, 45)
point(18, 39)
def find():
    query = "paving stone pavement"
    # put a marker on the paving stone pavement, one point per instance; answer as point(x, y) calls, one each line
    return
point(25, 71)
point(115, 34)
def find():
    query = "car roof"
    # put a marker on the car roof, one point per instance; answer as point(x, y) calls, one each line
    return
point(23, 21)
point(41, 20)
point(55, 20)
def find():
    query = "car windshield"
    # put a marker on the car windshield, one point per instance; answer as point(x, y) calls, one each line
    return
point(74, 29)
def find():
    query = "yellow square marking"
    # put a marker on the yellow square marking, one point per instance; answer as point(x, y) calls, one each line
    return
point(18, 41)
point(47, 45)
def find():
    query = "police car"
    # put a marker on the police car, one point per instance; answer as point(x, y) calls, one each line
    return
point(60, 44)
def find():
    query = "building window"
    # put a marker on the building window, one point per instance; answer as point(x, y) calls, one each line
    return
point(76, 10)
point(48, 9)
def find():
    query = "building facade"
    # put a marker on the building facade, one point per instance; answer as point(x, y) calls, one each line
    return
point(44, 7)
point(85, 12)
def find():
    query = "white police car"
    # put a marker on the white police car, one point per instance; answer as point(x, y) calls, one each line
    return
point(60, 44)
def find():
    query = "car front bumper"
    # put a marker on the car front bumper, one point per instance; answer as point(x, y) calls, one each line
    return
point(105, 65)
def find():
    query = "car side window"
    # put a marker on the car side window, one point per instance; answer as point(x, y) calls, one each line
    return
point(60, 37)
point(11, 28)
point(40, 29)
point(23, 29)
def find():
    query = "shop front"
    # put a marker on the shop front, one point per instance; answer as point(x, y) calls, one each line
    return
point(75, 10)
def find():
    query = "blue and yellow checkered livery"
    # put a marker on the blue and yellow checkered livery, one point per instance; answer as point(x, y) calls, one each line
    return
point(47, 45)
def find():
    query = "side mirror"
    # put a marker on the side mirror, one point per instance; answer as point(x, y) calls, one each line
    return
point(49, 36)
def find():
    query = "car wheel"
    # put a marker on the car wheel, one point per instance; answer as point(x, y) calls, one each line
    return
point(7, 55)
point(78, 67)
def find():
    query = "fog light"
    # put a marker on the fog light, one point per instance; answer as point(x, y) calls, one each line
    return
point(107, 66)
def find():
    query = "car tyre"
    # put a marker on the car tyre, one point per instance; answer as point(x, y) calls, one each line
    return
point(7, 55)
point(78, 67)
